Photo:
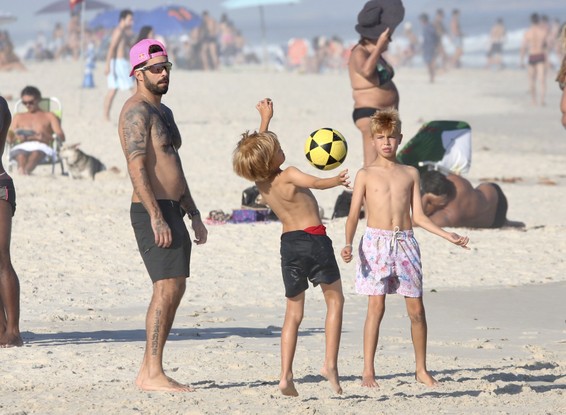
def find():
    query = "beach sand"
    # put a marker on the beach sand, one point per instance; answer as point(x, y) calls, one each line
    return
point(496, 313)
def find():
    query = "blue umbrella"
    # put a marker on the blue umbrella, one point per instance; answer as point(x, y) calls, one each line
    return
point(106, 19)
point(167, 20)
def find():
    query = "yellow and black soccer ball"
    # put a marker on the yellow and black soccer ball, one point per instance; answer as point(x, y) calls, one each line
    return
point(326, 148)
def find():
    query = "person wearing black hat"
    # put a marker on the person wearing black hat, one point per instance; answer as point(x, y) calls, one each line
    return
point(371, 76)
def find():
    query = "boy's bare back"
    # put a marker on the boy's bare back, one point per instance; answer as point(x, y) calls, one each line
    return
point(295, 207)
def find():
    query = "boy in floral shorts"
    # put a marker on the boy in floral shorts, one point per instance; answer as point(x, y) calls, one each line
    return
point(389, 257)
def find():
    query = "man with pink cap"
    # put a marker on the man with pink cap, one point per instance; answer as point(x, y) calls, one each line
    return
point(161, 197)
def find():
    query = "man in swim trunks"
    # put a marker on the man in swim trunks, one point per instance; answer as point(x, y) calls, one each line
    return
point(497, 36)
point(389, 257)
point(151, 140)
point(306, 250)
point(32, 132)
point(535, 45)
point(452, 201)
point(9, 283)
point(371, 76)
point(117, 69)
point(430, 46)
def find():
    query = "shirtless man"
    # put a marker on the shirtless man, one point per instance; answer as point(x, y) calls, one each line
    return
point(9, 283)
point(32, 132)
point(451, 201)
point(535, 45)
point(150, 140)
point(497, 37)
point(117, 66)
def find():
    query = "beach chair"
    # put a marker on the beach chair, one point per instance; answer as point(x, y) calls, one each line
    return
point(445, 146)
point(53, 105)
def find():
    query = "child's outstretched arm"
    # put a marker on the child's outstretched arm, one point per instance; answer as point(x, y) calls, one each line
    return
point(300, 179)
point(354, 215)
point(422, 220)
point(265, 108)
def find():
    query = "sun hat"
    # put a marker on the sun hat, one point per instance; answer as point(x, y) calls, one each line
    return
point(378, 15)
point(139, 53)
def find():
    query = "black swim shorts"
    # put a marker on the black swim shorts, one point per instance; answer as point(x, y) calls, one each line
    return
point(305, 257)
point(8, 192)
point(163, 263)
point(501, 210)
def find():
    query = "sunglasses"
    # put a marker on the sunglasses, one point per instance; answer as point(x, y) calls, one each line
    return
point(28, 103)
point(157, 68)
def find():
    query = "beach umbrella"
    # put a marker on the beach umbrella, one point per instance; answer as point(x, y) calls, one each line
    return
point(68, 5)
point(106, 19)
point(6, 17)
point(241, 4)
point(167, 20)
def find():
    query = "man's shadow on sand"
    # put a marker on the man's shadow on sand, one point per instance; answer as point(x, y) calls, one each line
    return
point(139, 335)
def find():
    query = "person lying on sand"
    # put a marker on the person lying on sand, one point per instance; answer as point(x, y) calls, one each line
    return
point(452, 201)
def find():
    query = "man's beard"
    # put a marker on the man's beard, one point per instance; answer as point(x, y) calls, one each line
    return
point(155, 89)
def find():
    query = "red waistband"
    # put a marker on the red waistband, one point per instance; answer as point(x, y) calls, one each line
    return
point(316, 230)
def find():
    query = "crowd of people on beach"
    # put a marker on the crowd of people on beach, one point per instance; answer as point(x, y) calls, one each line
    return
point(217, 43)
point(388, 255)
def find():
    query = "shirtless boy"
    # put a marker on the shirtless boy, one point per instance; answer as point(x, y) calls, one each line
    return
point(452, 201)
point(535, 46)
point(117, 66)
point(306, 251)
point(32, 132)
point(389, 257)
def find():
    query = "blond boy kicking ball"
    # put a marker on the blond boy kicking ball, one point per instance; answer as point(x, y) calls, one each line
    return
point(389, 257)
point(306, 251)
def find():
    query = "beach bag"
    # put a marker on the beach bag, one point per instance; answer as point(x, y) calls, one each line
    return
point(342, 205)
point(253, 209)
point(251, 198)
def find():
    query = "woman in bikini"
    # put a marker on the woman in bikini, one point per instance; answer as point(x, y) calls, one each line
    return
point(371, 76)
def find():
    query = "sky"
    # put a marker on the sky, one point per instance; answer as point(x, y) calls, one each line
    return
point(306, 19)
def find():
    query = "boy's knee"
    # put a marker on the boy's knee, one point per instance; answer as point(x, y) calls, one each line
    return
point(335, 301)
point(296, 317)
point(417, 317)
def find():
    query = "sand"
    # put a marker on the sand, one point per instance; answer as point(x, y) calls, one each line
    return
point(496, 313)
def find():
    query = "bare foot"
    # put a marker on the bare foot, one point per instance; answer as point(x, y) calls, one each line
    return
point(14, 340)
point(332, 377)
point(368, 381)
point(287, 387)
point(425, 378)
point(162, 383)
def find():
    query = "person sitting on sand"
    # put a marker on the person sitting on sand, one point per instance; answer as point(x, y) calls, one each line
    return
point(306, 250)
point(32, 132)
point(452, 201)
point(389, 258)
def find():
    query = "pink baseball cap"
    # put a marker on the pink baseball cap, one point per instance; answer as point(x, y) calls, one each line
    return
point(139, 53)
